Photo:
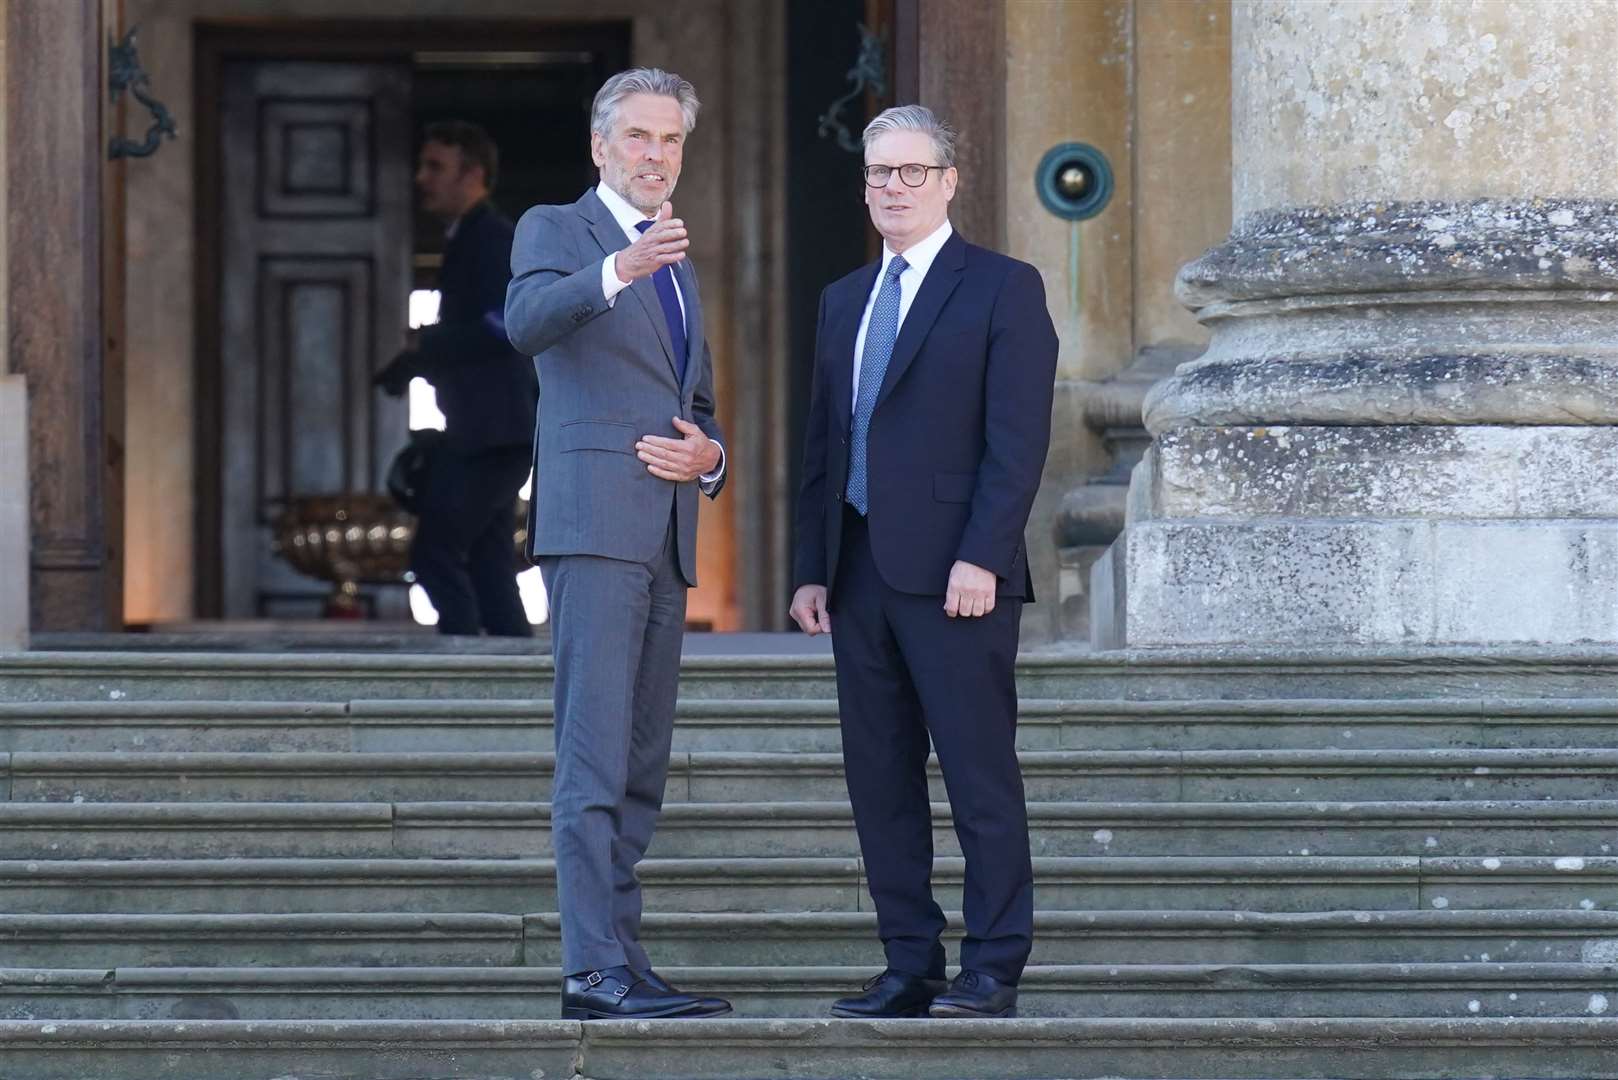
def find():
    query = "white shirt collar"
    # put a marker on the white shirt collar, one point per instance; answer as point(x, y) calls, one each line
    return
point(921, 254)
point(626, 216)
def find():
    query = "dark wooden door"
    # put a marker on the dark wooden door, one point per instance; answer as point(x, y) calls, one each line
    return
point(315, 259)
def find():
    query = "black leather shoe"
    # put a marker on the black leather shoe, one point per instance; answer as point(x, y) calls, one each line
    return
point(889, 995)
point(974, 995)
point(707, 1006)
point(617, 993)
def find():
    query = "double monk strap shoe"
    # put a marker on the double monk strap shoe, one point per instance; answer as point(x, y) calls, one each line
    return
point(890, 995)
point(706, 1006)
point(974, 995)
point(617, 993)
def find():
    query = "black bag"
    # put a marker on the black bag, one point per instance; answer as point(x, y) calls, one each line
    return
point(407, 473)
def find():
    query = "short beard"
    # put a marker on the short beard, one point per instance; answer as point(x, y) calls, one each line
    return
point(624, 194)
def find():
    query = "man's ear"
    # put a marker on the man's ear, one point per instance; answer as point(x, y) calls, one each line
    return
point(598, 149)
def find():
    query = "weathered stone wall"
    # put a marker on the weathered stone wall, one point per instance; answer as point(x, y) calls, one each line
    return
point(5, 144)
point(1402, 431)
point(1148, 84)
point(13, 433)
point(1423, 99)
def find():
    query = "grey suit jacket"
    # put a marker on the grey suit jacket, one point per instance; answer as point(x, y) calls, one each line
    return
point(606, 378)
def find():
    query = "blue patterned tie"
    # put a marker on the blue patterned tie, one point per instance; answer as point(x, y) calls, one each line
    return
point(664, 281)
point(880, 335)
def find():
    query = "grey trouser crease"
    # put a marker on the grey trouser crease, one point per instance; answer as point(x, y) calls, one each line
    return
point(616, 628)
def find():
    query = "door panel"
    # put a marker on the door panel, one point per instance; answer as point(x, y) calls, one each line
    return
point(316, 274)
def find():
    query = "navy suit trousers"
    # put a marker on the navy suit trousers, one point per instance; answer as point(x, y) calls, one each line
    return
point(907, 671)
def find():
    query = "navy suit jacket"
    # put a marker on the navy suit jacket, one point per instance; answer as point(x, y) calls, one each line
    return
point(486, 390)
point(960, 431)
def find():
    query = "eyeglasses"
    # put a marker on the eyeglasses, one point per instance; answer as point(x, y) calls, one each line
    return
point(913, 175)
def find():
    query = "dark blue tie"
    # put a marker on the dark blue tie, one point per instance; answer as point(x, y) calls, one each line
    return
point(664, 280)
point(881, 333)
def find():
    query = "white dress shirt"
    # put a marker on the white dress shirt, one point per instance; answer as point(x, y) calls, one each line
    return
point(627, 218)
point(918, 260)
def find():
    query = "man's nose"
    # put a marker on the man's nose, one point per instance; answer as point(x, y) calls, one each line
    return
point(893, 179)
point(654, 150)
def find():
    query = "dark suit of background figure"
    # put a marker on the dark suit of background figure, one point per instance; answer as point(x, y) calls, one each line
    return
point(956, 446)
point(463, 554)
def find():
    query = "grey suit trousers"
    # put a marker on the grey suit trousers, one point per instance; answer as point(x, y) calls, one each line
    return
point(616, 626)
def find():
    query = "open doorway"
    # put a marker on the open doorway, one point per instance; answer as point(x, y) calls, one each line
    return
point(309, 250)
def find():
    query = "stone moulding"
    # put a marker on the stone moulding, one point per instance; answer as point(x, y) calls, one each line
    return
point(1478, 389)
point(1490, 473)
point(1485, 312)
point(1490, 244)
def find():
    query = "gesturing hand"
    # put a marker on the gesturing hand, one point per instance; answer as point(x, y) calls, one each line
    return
point(970, 592)
point(680, 459)
point(809, 610)
point(662, 245)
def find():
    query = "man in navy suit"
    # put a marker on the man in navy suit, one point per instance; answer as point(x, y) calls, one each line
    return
point(463, 553)
point(929, 421)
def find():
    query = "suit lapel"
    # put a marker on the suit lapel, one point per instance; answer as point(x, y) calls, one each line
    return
point(845, 328)
point(610, 235)
point(936, 288)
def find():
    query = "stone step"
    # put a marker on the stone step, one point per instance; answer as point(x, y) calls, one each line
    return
point(801, 725)
point(341, 677)
point(1280, 883)
point(1055, 775)
point(1078, 991)
point(357, 939)
point(1140, 937)
point(730, 1049)
point(499, 830)
point(686, 939)
point(1458, 673)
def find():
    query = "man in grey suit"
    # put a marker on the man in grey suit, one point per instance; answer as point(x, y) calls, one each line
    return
point(605, 302)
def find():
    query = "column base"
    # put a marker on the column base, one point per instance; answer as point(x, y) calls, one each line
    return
point(1402, 536)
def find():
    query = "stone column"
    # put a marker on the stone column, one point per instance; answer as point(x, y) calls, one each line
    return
point(1402, 433)
point(55, 83)
point(13, 440)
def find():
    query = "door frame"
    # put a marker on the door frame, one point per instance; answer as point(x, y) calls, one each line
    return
point(214, 43)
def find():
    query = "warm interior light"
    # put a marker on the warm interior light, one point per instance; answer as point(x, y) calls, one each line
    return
point(534, 601)
point(422, 608)
point(530, 585)
point(423, 308)
point(424, 412)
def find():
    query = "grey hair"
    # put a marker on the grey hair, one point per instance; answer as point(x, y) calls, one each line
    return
point(604, 113)
point(914, 118)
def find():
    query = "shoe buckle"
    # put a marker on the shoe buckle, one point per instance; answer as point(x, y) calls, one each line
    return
point(623, 988)
point(593, 979)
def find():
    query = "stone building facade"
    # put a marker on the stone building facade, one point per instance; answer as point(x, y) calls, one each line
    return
point(1415, 290)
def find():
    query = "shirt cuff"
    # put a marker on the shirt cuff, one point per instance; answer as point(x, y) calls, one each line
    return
point(718, 474)
point(611, 283)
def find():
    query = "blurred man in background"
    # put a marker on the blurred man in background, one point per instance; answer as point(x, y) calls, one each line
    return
point(463, 554)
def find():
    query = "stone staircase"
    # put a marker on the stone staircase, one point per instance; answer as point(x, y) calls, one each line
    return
point(1248, 865)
